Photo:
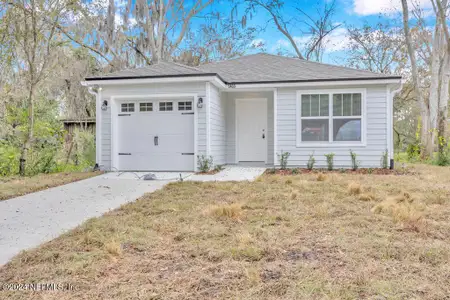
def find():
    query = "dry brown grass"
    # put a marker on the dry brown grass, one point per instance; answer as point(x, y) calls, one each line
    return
point(233, 211)
point(11, 187)
point(321, 177)
point(113, 248)
point(321, 243)
point(367, 197)
point(404, 209)
point(354, 188)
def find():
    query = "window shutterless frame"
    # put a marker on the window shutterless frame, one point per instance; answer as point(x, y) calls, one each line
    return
point(169, 106)
point(128, 107)
point(330, 118)
point(148, 106)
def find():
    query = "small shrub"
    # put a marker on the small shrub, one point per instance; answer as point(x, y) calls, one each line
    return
point(342, 170)
point(283, 158)
point(385, 160)
point(288, 181)
point(204, 163)
point(218, 168)
point(233, 211)
point(9, 159)
point(321, 177)
point(370, 170)
point(354, 188)
point(413, 151)
point(330, 161)
point(443, 155)
point(311, 162)
point(355, 163)
point(295, 171)
point(443, 159)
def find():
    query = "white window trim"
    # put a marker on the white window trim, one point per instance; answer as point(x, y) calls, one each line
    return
point(174, 106)
point(128, 112)
point(330, 142)
point(185, 101)
point(145, 112)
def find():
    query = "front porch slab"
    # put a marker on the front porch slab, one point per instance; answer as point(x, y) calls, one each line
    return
point(231, 173)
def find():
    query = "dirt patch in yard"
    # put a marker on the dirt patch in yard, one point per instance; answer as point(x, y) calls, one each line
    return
point(11, 187)
point(279, 237)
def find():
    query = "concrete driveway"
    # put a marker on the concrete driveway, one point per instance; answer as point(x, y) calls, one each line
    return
point(30, 220)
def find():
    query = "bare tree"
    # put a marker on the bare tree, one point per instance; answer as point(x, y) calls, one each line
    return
point(434, 108)
point(441, 10)
point(377, 48)
point(317, 27)
point(141, 33)
point(273, 8)
point(426, 140)
point(220, 37)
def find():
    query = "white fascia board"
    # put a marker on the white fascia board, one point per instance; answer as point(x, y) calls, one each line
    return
point(215, 80)
point(105, 82)
point(316, 84)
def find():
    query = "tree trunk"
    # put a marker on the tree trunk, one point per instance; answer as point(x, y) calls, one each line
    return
point(425, 136)
point(443, 103)
point(433, 101)
point(29, 138)
point(427, 146)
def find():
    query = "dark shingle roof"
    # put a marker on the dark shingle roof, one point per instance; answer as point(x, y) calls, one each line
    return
point(156, 70)
point(272, 68)
point(255, 68)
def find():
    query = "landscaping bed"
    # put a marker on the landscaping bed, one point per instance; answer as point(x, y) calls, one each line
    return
point(369, 171)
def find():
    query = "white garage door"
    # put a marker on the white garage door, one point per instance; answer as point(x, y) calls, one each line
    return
point(156, 135)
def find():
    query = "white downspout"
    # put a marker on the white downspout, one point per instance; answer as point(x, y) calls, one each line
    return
point(98, 123)
point(392, 94)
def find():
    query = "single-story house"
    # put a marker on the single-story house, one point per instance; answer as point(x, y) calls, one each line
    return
point(249, 109)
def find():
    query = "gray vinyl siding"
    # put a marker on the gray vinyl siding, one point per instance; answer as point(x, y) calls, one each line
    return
point(106, 137)
point(369, 155)
point(218, 125)
point(231, 123)
point(231, 128)
point(149, 89)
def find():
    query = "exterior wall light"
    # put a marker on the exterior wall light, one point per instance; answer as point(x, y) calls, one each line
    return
point(105, 105)
point(200, 102)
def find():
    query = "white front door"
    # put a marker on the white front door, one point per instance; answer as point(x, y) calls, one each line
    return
point(251, 121)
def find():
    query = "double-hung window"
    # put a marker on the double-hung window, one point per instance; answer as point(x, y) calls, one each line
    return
point(325, 117)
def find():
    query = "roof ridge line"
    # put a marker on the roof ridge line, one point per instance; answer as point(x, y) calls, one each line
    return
point(225, 60)
point(321, 63)
point(184, 66)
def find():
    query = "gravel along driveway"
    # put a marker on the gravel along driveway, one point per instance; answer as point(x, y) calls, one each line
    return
point(27, 221)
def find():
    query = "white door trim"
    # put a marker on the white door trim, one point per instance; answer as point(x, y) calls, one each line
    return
point(114, 112)
point(236, 136)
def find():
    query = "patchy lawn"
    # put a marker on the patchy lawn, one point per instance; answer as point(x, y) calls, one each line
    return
point(11, 187)
point(307, 236)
